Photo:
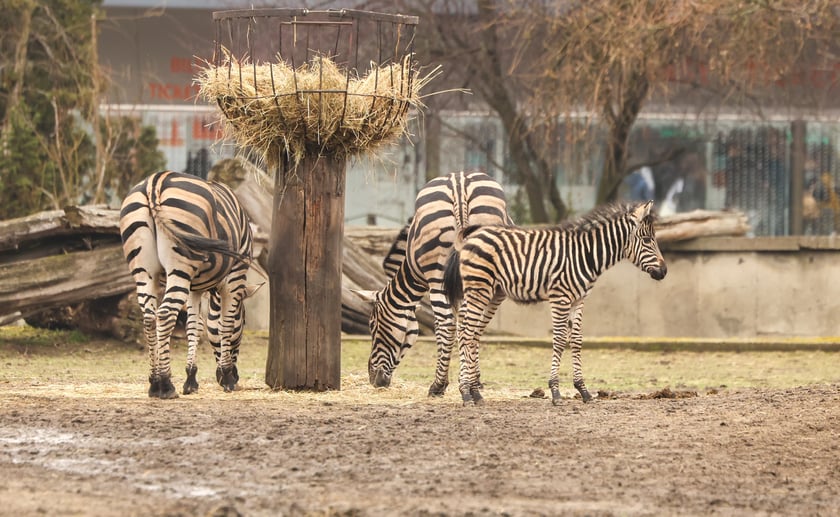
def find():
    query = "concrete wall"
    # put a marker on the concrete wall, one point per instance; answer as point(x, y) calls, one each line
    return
point(716, 288)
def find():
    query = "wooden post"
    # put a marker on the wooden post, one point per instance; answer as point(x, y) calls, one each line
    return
point(304, 267)
point(798, 152)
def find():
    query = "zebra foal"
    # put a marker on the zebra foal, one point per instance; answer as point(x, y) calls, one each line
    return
point(556, 264)
point(183, 236)
point(415, 263)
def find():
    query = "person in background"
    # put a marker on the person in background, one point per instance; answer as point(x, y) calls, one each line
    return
point(640, 184)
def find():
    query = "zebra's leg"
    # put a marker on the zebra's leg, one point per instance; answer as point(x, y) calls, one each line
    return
point(560, 337)
point(147, 297)
point(232, 323)
point(577, 342)
point(229, 335)
point(469, 320)
point(175, 297)
point(195, 327)
point(445, 336)
point(215, 330)
point(486, 317)
point(236, 338)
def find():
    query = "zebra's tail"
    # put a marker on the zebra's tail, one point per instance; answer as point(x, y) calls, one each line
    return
point(453, 287)
point(198, 245)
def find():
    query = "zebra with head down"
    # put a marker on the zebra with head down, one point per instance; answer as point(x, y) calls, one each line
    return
point(183, 236)
point(415, 263)
point(557, 264)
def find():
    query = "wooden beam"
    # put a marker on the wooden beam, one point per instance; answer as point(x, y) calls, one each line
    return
point(304, 268)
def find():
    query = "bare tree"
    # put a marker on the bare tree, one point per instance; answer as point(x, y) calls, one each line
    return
point(474, 45)
point(554, 71)
point(612, 57)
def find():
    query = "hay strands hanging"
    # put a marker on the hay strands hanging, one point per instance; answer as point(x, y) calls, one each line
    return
point(316, 107)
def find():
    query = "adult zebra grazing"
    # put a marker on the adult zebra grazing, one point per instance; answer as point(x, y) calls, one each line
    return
point(187, 236)
point(443, 207)
point(557, 264)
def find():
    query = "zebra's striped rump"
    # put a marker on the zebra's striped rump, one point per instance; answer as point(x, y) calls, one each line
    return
point(443, 207)
point(183, 236)
point(556, 264)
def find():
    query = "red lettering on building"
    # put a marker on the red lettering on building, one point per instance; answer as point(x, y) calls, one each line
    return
point(180, 65)
point(174, 137)
point(171, 91)
point(205, 129)
point(185, 65)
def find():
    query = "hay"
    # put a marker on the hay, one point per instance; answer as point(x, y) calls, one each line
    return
point(315, 109)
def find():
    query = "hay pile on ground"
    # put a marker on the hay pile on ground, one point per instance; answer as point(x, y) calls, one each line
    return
point(316, 108)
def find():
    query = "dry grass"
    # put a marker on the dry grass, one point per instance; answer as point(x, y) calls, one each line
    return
point(66, 364)
point(317, 108)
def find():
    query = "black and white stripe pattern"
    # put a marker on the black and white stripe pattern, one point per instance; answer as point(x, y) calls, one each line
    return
point(183, 236)
point(555, 264)
point(396, 255)
point(444, 206)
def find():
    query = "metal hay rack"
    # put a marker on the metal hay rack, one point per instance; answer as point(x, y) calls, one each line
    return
point(298, 81)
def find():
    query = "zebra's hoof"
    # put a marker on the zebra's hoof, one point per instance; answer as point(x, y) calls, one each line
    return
point(584, 393)
point(191, 384)
point(474, 402)
point(162, 388)
point(556, 399)
point(477, 398)
point(227, 377)
point(190, 387)
point(437, 390)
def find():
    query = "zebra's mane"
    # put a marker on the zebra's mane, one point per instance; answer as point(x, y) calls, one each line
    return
point(601, 216)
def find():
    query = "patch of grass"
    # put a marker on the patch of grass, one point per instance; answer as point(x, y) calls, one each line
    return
point(528, 367)
point(24, 336)
point(31, 358)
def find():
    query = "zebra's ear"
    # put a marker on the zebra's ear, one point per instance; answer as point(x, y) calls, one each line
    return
point(367, 296)
point(641, 211)
point(252, 288)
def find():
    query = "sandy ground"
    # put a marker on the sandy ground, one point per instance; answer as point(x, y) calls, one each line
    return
point(94, 451)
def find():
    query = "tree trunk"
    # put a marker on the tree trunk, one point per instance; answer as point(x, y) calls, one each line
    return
point(432, 144)
point(516, 127)
point(620, 119)
point(18, 72)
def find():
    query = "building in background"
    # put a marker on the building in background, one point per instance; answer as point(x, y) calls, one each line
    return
point(152, 48)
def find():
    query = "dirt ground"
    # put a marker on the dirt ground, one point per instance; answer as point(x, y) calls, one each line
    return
point(731, 452)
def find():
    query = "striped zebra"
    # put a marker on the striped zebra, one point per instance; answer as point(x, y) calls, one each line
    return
point(444, 206)
point(183, 236)
point(556, 264)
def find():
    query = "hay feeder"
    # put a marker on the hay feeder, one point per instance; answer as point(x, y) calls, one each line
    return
point(302, 91)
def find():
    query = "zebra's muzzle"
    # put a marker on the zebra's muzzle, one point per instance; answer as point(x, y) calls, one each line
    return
point(658, 273)
point(380, 379)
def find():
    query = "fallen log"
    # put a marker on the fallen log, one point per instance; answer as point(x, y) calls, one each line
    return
point(701, 223)
point(65, 279)
point(72, 221)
